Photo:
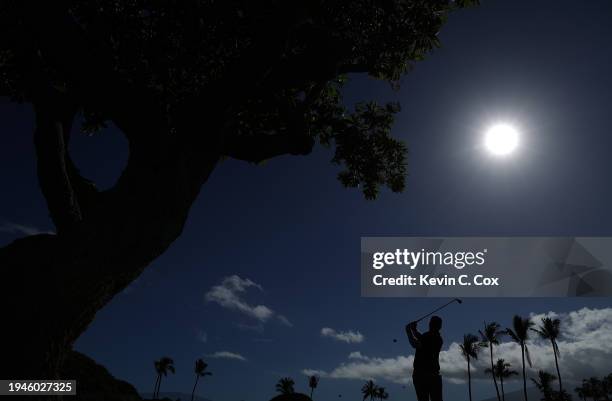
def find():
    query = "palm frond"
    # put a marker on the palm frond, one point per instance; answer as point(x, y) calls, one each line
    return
point(513, 335)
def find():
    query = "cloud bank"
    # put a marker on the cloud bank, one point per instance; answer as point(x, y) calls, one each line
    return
point(585, 344)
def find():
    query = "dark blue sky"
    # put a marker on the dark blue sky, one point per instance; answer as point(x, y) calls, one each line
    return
point(290, 227)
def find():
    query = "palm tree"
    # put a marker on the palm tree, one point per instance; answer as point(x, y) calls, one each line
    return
point(543, 383)
point(313, 382)
point(200, 371)
point(381, 393)
point(469, 349)
point(156, 364)
point(520, 334)
point(549, 330)
point(503, 371)
point(595, 388)
point(490, 336)
point(162, 367)
point(588, 389)
point(607, 385)
point(581, 391)
point(369, 390)
point(285, 386)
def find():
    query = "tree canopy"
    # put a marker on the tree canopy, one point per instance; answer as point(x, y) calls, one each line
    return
point(274, 68)
point(188, 82)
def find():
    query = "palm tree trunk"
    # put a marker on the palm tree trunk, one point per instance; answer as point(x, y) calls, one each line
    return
point(501, 381)
point(469, 379)
point(159, 385)
point(311, 390)
point(493, 371)
point(524, 376)
point(557, 365)
point(155, 388)
point(194, 387)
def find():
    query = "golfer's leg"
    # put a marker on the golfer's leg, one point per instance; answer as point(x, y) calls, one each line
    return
point(421, 388)
point(436, 388)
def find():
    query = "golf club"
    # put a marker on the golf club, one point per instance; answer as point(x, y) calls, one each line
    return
point(441, 307)
point(434, 311)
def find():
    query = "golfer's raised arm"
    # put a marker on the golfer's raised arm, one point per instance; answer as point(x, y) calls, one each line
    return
point(413, 335)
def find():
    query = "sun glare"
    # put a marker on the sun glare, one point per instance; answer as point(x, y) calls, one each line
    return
point(501, 139)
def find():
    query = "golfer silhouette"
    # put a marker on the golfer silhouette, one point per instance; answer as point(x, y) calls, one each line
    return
point(426, 368)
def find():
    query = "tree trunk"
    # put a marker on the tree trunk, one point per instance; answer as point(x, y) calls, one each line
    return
point(159, 385)
point(59, 282)
point(501, 382)
point(155, 388)
point(469, 379)
point(493, 371)
point(55, 284)
point(557, 365)
point(194, 386)
point(524, 376)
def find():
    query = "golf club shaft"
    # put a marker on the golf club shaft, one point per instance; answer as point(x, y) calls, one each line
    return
point(435, 310)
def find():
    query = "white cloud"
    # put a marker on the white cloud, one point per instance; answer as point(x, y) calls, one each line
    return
point(21, 229)
point(584, 344)
point(361, 367)
point(284, 321)
point(356, 355)
point(227, 355)
point(228, 294)
point(313, 372)
point(345, 336)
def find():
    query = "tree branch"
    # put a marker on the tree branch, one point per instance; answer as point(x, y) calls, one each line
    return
point(51, 117)
point(63, 44)
point(85, 190)
point(257, 148)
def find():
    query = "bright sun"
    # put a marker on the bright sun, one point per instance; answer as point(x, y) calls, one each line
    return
point(501, 139)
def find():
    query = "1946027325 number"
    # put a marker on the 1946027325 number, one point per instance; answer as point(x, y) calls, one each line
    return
point(37, 387)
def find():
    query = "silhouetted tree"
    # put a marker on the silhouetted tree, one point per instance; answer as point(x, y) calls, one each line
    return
point(550, 330)
point(200, 371)
point(162, 367)
point(581, 392)
point(503, 371)
point(594, 388)
point(369, 390)
point(313, 382)
point(381, 393)
point(520, 333)
point(490, 336)
point(188, 83)
point(469, 349)
point(589, 391)
point(285, 385)
point(561, 396)
point(157, 376)
point(544, 384)
point(607, 385)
